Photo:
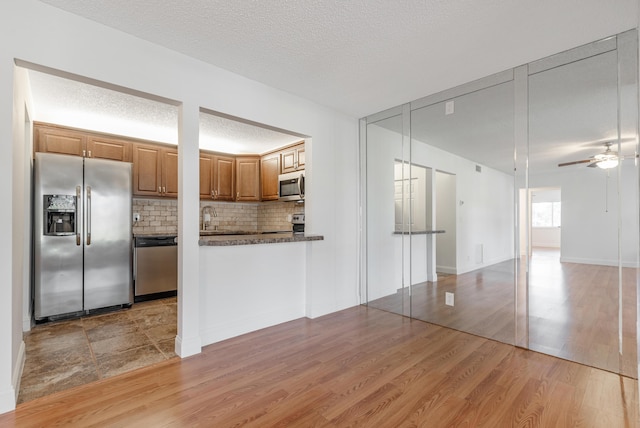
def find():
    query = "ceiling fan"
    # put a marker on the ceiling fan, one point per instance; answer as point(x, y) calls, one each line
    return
point(605, 160)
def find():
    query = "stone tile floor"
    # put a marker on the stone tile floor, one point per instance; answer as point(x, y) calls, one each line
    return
point(64, 354)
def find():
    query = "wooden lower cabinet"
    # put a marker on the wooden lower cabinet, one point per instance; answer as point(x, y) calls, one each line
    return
point(269, 171)
point(247, 178)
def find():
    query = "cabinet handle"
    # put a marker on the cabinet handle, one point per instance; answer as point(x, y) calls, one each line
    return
point(159, 189)
point(84, 153)
point(237, 195)
point(89, 153)
point(164, 190)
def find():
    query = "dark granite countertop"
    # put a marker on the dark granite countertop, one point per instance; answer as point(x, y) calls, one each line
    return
point(140, 234)
point(263, 238)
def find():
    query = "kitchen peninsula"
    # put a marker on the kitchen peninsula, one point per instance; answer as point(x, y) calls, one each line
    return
point(246, 286)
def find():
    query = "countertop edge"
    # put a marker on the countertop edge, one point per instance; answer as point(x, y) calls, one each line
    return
point(419, 232)
point(230, 240)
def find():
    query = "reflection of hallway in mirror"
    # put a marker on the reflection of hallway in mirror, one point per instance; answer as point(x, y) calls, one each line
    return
point(573, 312)
point(483, 303)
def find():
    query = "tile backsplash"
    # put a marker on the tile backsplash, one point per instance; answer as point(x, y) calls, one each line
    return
point(156, 216)
point(161, 215)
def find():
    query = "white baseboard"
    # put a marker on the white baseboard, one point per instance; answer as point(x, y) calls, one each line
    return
point(447, 269)
point(599, 262)
point(26, 322)
point(17, 373)
point(9, 396)
point(466, 269)
point(186, 348)
point(545, 245)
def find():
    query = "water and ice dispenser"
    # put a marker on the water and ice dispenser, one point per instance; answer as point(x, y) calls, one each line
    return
point(59, 215)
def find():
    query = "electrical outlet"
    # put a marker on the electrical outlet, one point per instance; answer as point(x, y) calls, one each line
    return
point(449, 107)
point(136, 217)
point(448, 299)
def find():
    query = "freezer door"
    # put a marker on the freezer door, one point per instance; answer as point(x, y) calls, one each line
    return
point(57, 258)
point(107, 233)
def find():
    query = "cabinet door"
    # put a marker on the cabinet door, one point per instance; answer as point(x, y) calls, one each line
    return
point(146, 170)
point(107, 148)
point(224, 178)
point(288, 160)
point(269, 170)
point(247, 179)
point(300, 156)
point(170, 173)
point(293, 158)
point(206, 176)
point(62, 141)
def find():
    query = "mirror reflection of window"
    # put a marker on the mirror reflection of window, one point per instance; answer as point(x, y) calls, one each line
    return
point(410, 198)
point(546, 214)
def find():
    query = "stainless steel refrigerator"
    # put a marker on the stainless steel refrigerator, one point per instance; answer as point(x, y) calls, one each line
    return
point(82, 233)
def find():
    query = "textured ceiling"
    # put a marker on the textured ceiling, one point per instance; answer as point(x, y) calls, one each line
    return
point(363, 56)
point(80, 105)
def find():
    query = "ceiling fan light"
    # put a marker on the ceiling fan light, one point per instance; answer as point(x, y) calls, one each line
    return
point(607, 163)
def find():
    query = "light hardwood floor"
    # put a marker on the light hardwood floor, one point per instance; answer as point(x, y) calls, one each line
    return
point(573, 308)
point(357, 367)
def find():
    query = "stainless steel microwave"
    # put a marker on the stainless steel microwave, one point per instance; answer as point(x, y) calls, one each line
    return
point(291, 186)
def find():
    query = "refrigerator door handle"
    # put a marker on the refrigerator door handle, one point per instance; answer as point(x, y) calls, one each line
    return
point(88, 215)
point(78, 199)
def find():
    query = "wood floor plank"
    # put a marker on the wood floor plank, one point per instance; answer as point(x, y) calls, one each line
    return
point(357, 367)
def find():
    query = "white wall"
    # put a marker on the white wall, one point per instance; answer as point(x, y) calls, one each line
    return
point(247, 287)
point(548, 237)
point(590, 217)
point(49, 37)
point(485, 208)
point(485, 219)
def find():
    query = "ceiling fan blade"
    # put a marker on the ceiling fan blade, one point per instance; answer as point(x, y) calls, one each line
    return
point(577, 162)
point(593, 164)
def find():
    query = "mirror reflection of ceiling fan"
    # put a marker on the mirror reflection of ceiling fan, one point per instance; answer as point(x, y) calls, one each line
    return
point(605, 160)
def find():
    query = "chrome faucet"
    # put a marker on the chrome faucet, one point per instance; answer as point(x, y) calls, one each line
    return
point(207, 213)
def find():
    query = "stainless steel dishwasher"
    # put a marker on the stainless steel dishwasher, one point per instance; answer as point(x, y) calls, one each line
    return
point(155, 267)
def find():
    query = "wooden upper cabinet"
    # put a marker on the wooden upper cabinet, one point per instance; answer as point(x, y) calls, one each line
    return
point(269, 171)
point(50, 139)
point(206, 176)
point(293, 158)
point(170, 173)
point(217, 177)
point(247, 178)
point(76, 142)
point(300, 153)
point(108, 148)
point(224, 178)
point(147, 170)
point(155, 170)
